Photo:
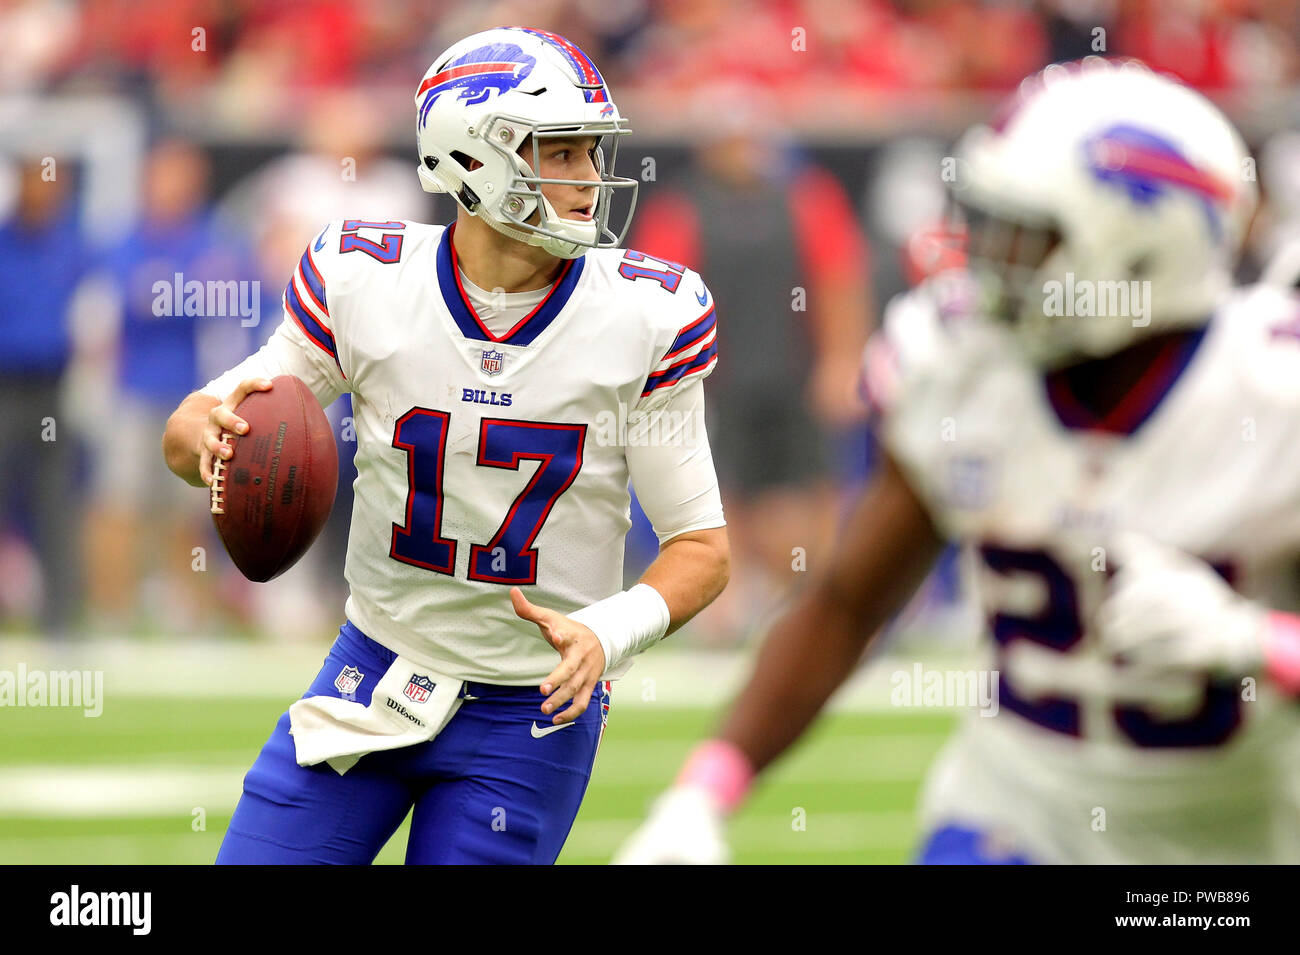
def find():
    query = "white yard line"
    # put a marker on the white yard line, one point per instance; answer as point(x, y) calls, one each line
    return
point(123, 790)
point(191, 670)
point(161, 787)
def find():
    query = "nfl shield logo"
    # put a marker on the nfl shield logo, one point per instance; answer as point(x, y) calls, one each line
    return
point(418, 689)
point(348, 680)
point(492, 361)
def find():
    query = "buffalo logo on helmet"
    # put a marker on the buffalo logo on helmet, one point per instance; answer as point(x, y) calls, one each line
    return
point(1146, 166)
point(477, 75)
point(418, 688)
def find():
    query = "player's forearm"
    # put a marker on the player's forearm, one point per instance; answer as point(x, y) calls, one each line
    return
point(841, 322)
point(689, 573)
point(181, 439)
point(887, 547)
point(805, 658)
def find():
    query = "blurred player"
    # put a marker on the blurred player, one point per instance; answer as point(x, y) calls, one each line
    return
point(155, 358)
point(46, 256)
point(1082, 455)
point(509, 374)
point(786, 407)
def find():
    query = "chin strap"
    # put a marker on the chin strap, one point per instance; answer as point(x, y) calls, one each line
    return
point(558, 247)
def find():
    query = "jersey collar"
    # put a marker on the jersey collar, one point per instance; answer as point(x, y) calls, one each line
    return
point(467, 320)
point(1141, 401)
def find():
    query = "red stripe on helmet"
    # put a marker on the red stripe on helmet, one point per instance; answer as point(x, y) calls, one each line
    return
point(467, 69)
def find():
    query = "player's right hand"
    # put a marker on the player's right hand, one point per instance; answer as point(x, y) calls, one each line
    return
point(223, 420)
point(1168, 610)
point(685, 827)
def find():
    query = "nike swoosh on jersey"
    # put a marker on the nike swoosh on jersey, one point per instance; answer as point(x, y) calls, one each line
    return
point(320, 239)
point(538, 732)
point(702, 296)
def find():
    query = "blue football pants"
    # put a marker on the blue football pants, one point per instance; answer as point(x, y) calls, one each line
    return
point(484, 790)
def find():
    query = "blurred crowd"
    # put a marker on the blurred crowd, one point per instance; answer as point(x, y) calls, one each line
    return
point(104, 337)
point(147, 46)
point(800, 246)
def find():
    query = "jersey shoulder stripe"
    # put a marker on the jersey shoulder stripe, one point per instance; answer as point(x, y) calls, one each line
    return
point(313, 282)
point(681, 317)
point(702, 362)
point(317, 332)
point(690, 336)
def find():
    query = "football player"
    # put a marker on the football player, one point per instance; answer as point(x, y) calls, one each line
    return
point(509, 375)
point(1125, 482)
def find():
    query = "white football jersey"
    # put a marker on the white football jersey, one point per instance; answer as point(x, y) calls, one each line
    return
point(1084, 762)
point(486, 461)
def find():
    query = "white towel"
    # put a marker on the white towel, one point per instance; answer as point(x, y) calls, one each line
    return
point(410, 704)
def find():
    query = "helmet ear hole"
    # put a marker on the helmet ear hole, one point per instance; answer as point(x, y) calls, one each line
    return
point(466, 161)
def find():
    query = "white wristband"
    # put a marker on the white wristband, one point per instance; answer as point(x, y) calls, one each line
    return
point(626, 623)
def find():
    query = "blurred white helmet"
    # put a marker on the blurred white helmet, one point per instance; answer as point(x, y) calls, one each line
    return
point(483, 98)
point(1103, 188)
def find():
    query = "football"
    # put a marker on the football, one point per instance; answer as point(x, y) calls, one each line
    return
point(271, 498)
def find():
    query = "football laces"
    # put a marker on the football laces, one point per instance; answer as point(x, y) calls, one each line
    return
point(218, 500)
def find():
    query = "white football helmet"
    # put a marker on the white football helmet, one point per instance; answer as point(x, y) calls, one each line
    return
point(1102, 181)
point(483, 98)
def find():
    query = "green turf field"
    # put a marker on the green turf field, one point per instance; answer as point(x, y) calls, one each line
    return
point(154, 780)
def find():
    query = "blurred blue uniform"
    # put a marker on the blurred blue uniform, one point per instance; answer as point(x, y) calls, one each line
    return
point(484, 790)
point(41, 265)
point(40, 268)
point(159, 354)
point(956, 845)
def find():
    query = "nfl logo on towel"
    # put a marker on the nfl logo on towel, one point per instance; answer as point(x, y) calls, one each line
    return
point(492, 362)
point(418, 689)
point(348, 680)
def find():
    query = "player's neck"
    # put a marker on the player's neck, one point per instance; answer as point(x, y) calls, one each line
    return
point(491, 260)
point(1102, 383)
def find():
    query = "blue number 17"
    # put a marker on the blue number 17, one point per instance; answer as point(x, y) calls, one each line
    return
point(509, 557)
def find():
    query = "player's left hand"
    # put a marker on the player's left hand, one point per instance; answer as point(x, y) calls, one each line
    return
point(1168, 610)
point(582, 659)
